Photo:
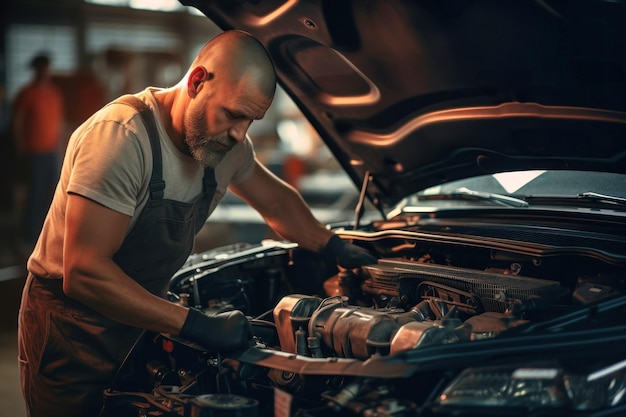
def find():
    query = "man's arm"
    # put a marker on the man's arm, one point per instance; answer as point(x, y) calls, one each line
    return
point(17, 122)
point(93, 234)
point(283, 208)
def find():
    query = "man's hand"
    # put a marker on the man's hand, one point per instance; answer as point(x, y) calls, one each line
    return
point(346, 254)
point(230, 330)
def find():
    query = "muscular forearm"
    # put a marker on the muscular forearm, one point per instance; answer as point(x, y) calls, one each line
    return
point(299, 225)
point(292, 219)
point(103, 286)
point(108, 290)
point(93, 234)
point(283, 209)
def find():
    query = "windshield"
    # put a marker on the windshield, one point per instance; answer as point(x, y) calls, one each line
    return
point(522, 184)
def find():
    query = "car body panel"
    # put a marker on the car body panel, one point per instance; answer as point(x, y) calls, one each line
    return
point(491, 137)
point(420, 93)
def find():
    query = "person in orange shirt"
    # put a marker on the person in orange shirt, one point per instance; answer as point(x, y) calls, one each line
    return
point(38, 114)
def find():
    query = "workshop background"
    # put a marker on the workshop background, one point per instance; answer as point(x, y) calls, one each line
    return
point(101, 49)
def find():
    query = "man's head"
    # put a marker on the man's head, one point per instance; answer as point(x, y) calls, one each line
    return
point(41, 65)
point(230, 83)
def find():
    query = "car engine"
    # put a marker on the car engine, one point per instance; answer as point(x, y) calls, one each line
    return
point(381, 340)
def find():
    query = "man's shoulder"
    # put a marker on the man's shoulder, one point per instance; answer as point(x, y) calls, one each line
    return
point(115, 127)
point(116, 113)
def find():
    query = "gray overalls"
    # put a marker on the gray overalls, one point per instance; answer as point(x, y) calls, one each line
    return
point(69, 353)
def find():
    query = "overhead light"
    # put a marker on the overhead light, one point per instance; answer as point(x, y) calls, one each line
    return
point(158, 5)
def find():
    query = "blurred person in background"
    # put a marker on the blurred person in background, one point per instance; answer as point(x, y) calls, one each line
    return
point(139, 179)
point(7, 158)
point(37, 122)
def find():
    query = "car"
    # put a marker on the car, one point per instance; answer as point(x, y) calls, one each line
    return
point(489, 137)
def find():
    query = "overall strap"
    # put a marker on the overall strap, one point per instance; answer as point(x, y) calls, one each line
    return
point(209, 183)
point(157, 185)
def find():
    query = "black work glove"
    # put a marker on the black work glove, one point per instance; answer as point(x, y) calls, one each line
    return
point(347, 255)
point(230, 330)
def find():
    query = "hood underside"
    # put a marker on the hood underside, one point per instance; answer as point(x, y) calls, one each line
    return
point(410, 94)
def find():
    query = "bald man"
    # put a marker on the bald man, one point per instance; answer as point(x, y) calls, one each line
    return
point(131, 198)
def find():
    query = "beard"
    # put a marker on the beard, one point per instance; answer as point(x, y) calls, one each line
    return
point(207, 150)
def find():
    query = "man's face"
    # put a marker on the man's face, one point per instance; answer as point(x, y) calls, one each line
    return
point(219, 117)
point(207, 149)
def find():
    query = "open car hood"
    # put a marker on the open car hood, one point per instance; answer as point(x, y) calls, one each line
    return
point(410, 94)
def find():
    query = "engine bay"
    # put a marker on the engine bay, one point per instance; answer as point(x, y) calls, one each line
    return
point(380, 340)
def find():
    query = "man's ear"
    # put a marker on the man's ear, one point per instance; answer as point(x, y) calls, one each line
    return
point(196, 77)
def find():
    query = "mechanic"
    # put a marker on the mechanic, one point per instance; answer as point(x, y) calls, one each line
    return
point(123, 220)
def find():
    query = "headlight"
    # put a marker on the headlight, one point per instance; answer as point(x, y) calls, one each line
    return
point(542, 386)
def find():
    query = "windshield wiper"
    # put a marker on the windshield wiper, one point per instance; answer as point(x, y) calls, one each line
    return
point(601, 310)
point(603, 198)
point(467, 194)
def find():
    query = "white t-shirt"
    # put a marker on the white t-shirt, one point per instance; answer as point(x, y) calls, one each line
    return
point(109, 160)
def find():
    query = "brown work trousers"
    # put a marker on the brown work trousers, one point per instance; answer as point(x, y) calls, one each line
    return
point(68, 353)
